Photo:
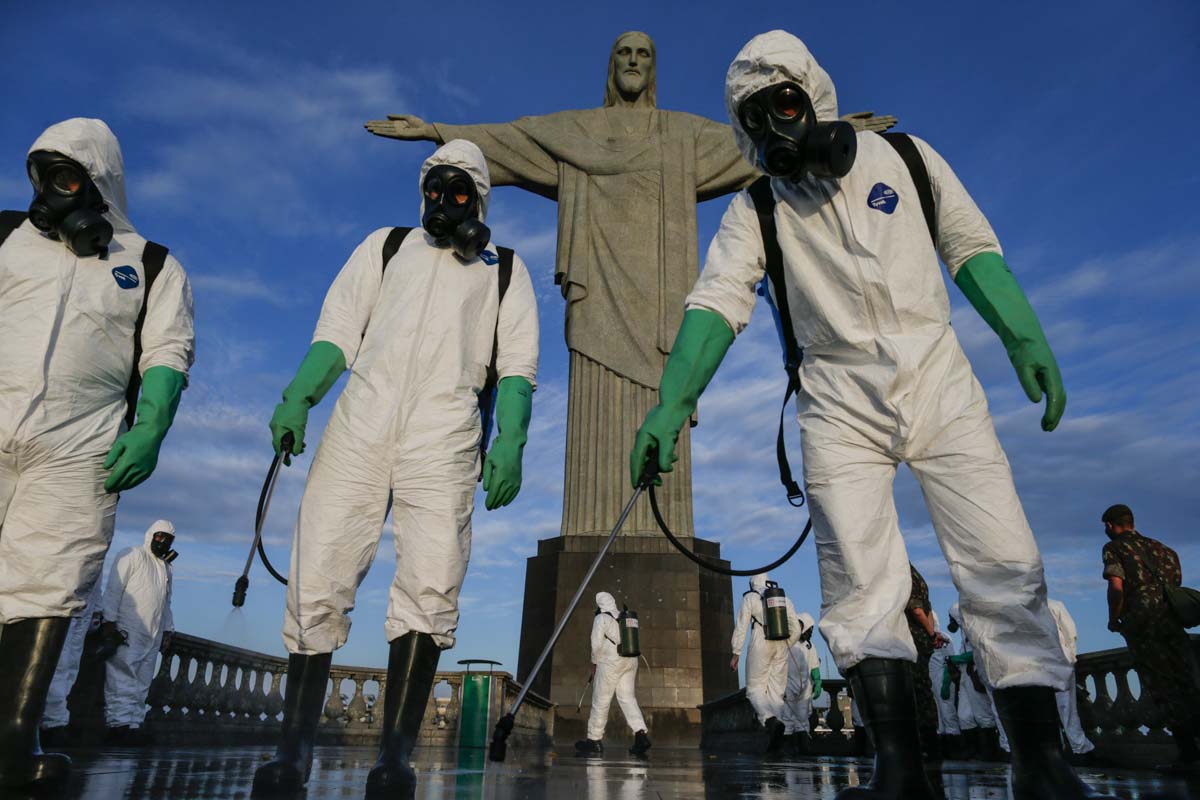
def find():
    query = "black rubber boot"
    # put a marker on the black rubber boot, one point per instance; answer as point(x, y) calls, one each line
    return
point(29, 652)
point(775, 730)
point(883, 690)
point(54, 737)
point(970, 744)
point(589, 747)
point(1187, 762)
point(641, 743)
point(931, 745)
point(304, 697)
point(1040, 770)
point(412, 665)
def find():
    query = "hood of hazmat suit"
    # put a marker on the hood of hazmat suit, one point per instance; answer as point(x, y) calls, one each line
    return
point(769, 59)
point(66, 357)
point(418, 337)
point(885, 380)
point(758, 583)
point(138, 600)
point(606, 603)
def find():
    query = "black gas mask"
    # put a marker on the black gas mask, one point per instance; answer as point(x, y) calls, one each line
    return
point(789, 141)
point(807, 635)
point(953, 626)
point(67, 205)
point(160, 545)
point(452, 211)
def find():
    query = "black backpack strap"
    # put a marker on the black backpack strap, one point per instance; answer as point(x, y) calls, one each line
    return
point(487, 396)
point(392, 243)
point(764, 205)
point(154, 258)
point(9, 222)
point(907, 149)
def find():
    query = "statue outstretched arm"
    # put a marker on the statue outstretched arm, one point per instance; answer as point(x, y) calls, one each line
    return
point(406, 127)
point(867, 121)
point(514, 156)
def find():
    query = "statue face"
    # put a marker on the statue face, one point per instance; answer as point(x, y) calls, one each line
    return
point(633, 62)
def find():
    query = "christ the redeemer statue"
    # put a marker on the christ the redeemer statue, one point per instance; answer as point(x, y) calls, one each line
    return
point(627, 177)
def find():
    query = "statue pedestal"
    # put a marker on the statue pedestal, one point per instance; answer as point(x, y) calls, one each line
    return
point(686, 620)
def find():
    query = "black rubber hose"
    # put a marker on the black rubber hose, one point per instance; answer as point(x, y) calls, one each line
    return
point(649, 476)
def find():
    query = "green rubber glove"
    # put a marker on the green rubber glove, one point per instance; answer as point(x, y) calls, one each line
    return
point(962, 658)
point(318, 371)
point(989, 285)
point(701, 344)
point(134, 456)
point(816, 681)
point(502, 467)
point(947, 682)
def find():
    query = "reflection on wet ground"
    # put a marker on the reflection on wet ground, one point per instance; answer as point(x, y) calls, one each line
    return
point(340, 772)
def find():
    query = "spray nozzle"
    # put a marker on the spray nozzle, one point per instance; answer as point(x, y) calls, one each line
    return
point(499, 747)
point(239, 591)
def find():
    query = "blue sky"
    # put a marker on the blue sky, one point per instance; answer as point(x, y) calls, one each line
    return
point(1073, 124)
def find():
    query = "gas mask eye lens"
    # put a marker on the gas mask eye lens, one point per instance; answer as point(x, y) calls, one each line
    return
point(34, 178)
point(433, 188)
point(460, 193)
point(787, 104)
point(752, 117)
point(66, 180)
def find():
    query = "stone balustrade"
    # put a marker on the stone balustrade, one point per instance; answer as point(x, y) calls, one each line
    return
point(1127, 729)
point(206, 692)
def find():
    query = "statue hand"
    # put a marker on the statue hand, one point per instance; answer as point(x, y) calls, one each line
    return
point(867, 121)
point(402, 126)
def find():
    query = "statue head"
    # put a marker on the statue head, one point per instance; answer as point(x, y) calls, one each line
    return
point(631, 71)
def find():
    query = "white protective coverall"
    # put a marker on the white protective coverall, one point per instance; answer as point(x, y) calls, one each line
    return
point(405, 432)
point(615, 674)
point(138, 600)
point(797, 698)
point(947, 709)
point(884, 381)
point(1068, 704)
point(974, 707)
point(56, 714)
point(766, 661)
point(66, 355)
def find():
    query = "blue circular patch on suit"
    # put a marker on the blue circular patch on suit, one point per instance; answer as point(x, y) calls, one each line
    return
point(126, 277)
point(489, 258)
point(883, 198)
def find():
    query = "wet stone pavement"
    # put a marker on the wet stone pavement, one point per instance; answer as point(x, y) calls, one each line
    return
point(340, 772)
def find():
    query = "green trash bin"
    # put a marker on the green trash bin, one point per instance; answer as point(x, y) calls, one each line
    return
point(475, 706)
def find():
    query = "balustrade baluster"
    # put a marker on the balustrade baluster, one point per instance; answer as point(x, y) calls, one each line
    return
point(357, 710)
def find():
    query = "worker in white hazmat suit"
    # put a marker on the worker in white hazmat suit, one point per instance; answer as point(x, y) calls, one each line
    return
point(976, 719)
point(92, 316)
point(57, 716)
point(945, 697)
point(418, 326)
point(883, 380)
point(803, 684)
point(766, 661)
point(613, 674)
point(137, 602)
point(1068, 700)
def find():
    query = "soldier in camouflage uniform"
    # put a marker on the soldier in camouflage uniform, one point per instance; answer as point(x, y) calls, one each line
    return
point(919, 614)
point(1136, 568)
